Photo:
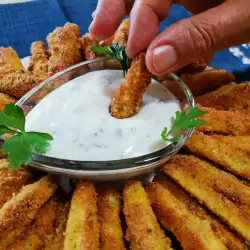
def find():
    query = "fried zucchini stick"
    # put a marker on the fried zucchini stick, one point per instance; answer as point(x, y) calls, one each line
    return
point(87, 41)
point(144, 232)
point(9, 61)
point(229, 97)
point(227, 154)
point(55, 240)
point(82, 231)
point(121, 35)
point(193, 225)
point(225, 122)
point(17, 84)
point(5, 99)
point(20, 211)
point(11, 182)
point(221, 192)
point(39, 60)
point(109, 207)
point(33, 237)
point(64, 47)
point(127, 99)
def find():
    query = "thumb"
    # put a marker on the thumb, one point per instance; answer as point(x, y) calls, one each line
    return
point(193, 38)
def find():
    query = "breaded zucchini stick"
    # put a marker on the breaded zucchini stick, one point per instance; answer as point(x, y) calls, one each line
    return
point(82, 231)
point(64, 47)
point(128, 98)
point(221, 192)
point(17, 84)
point(225, 122)
point(109, 209)
point(121, 35)
point(229, 97)
point(87, 41)
point(33, 238)
point(11, 182)
point(39, 60)
point(21, 210)
point(9, 61)
point(5, 99)
point(144, 232)
point(216, 148)
point(192, 224)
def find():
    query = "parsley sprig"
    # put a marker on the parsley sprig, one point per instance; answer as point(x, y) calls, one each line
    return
point(20, 146)
point(115, 51)
point(183, 119)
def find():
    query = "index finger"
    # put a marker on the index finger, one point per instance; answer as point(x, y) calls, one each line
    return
point(108, 16)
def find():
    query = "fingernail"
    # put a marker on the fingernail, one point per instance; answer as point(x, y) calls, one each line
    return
point(93, 14)
point(164, 58)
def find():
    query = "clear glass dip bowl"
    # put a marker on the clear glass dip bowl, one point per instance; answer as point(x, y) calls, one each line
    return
point(102, 170)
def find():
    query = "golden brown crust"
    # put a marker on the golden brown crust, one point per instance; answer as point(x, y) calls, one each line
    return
point(127, 99)
point(201, 82)
point(5, 99)
point(64, 47)
point(109, 209)
point(9, 61)
point(221, 192)
point(229, 97)
point(11, 182)
point(39, 60)
point(121, 35)
point(225, 122)
point(55, 240)
point(17, 84)
point(87, 41)
point(144, 232)
point(192, 224)
point(230, 155)
point(34, 236)
point(20, 211)
point(82, 231)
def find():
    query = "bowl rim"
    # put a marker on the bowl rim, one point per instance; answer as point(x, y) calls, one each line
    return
point(64, 165)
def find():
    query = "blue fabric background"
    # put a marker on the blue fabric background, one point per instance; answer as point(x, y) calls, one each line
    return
point(23, 23)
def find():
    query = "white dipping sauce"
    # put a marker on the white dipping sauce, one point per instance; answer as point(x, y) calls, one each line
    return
point(77, 116)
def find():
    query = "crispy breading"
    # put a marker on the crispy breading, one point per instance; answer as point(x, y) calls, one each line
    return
point(127, 99)
point(39, 60)
point(5, 99)
point(229, 97)
point(11, 182)
point(17, 84)
point(21, 210)
point(225, 122)
point(9, 61)
point(195, 67)
point(192, 224)
point(221, 192)
point(201, 82)
point(109, 209)
point(64, 47)
point(82, 231)
point(87, 41)
point(228, 155)
point(121, 35)
point(33, 237)
point(144, 232)
point(55, 240)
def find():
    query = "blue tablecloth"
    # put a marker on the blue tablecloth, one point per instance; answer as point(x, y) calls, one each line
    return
point(22, 23)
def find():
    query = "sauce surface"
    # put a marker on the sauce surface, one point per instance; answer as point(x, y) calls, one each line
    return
point(77, 116)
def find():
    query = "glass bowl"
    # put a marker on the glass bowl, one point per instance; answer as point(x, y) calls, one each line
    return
point(101, 170)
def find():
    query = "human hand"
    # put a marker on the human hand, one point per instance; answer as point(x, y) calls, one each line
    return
point(218, 24)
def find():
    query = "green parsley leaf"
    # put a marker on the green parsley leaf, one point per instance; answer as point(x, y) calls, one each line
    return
point(115, 51)
point(22, 144)
point(12, 116)
point(183, 119)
